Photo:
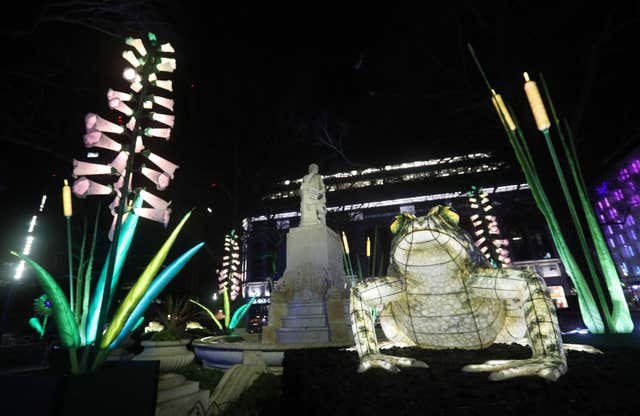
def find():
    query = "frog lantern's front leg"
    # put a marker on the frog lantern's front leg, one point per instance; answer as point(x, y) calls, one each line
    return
point(543, 333)
point(364, 297)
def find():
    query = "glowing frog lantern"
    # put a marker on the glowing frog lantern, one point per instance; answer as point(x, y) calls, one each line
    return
point(439, 293)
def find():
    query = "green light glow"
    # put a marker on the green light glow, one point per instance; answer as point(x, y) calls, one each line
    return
point(139, 288)
point(619, 320)
point(588, 307)
point(124, 243)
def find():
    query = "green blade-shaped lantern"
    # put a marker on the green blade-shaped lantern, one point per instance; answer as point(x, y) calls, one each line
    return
point(64, 318)
point(137, 291)
point(158, 284)
point(124, 243)
point(240, 312)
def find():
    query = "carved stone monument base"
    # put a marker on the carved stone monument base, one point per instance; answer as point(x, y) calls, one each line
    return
point(309, 305)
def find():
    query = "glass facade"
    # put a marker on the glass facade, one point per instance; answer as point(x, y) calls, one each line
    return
point(618, 209)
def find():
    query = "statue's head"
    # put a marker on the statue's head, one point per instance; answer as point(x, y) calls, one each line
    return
point(313, 168)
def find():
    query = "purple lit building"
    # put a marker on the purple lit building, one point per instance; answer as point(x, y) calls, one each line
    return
point(618, 210)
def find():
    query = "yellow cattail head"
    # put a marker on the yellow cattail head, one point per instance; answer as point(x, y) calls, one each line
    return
point(66, 200)
point(502, 111)
point(345, 243)
point(368, 247)
point(536, 104)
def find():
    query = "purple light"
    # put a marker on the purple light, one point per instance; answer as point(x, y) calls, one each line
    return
point(47, 303)
point(617, 195)
point(602, 189)
point(619, 202)
point(623, 175)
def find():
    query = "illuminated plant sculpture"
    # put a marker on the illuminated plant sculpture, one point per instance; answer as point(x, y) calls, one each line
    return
point(229, 276)
point(81, 323)
point(41, 310)
point(618, 319)
point(487, 232)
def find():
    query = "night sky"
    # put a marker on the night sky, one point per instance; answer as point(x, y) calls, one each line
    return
point(261, 90)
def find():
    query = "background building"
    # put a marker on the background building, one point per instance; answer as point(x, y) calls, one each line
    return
point(362, 203)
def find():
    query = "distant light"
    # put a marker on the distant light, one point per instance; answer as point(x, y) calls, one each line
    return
point(32, 225)
point(516, 238)
point(215, 296)
point(92, 155)
point(42, 202)
point(19, 270)
point(209, 210)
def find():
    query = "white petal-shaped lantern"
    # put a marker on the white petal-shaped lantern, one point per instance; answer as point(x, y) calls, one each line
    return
point(137, 44)
point(85, 168)
point(131, 58)
point(165, 102)
point(113, 224)
point(119, 105)
point(168, 167)
point(166, 47)
point(159, 215)
point(99, 139)
point(139, 144)
point(161, 179)
point(117, 185)
point(153, 200)
point(165, 65)
point(94, 122)
point(114, 204)
point(164, 84)
point(136, 86)
point(164, 133)
point(122, 96)
point(131, 124)
point(165, 119)
point(83, 187)
point(120, 162)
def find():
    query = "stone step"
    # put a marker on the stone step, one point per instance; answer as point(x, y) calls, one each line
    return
point(184, 389)
point(310, 308)
point(302, 335)
point(303, 321)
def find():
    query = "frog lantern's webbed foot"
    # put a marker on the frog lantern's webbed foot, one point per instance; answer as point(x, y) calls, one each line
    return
point(388, 362)
point(539, 314)
point(547, 367)
point(365, 296)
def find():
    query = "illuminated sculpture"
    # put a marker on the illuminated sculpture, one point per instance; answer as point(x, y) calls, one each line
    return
point(439, 292)
point(313, 200)
point(486, 230)
point(617, 318)
point(81, 318)
point(229, 284)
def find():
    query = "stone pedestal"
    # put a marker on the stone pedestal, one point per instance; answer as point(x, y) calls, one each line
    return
point(178, 396)
point(309, 303)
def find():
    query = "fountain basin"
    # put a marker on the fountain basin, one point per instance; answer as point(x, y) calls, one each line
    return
point(216, 352)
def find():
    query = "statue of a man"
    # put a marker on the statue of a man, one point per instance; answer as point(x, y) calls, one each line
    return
point(313, 202)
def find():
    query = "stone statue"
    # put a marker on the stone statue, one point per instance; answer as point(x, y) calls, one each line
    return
point(313, 201)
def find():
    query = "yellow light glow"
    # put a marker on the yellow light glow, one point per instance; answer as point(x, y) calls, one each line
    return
point(66, 200)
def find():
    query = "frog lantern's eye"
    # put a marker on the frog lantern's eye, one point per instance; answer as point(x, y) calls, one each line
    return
point(400, 221)
point(450, 215)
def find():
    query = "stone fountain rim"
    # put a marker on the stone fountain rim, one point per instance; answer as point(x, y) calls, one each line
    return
point(209, 343)
point(174, 343)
